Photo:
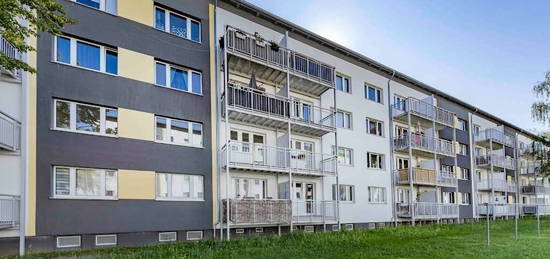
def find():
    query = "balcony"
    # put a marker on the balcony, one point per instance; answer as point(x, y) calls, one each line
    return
point(10, 133)
point(422, 112)
point(529, 168)
point(260, 157)
point(429, 177)
point(314, 211)
point(253, 106)
point(427, 210)
point(9, 211)
point(496, 184)
point(488, 136)
point(498, 210)
point(498, 162)
point(258, 212)
point(536, 209)
point(423, 145)
point(509, 141)
point(11, 52)
point(251, 54)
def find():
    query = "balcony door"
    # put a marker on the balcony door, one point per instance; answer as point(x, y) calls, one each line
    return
point(303, 110)
point(302, 154)
point(246, 188)
point(304, 198)
point(247, 147)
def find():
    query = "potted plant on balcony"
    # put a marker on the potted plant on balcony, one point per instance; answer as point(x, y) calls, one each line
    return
point(259, 39)
point(273, 45)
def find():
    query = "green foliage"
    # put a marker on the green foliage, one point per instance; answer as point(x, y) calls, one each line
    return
point(540, 110)
point(466, 240)
point(41, 15)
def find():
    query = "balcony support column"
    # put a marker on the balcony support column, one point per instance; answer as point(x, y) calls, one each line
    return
point(227, 133)
point(411, 187)
point(491, 182)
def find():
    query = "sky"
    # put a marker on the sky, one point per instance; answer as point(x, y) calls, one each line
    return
point(488, 53)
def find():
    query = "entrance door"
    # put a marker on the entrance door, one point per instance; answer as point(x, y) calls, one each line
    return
point(302, 154)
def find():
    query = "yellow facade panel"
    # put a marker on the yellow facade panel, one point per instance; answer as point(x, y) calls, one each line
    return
point(134, 184)
point(136, 124)
point(137, 10)
point(135, 65)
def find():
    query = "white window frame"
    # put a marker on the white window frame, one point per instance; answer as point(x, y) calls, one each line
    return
point(378, 122)
point(167, 69)
point(102, 6)
point(400, 163)
point(380, 159)
point(399, 102)
point(462, 149)
point(73, 58)
point(167, 14)
point(477, 129)
point(377, 188)
point(335, 152)
point(169, 187)
point(344, 188)
point(379, 92)
point(72, 185)
point(349, 119)
point(462, 172)
point(251, 182)
point(72, 119)
point(461, 124)
point(348, 79)
point(169, 132)
point(465, 198)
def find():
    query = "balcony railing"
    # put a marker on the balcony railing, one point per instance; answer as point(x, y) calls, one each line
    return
point(254, 212)
point(497, 184)
point(509, 141)
point(497, 209)
point(496, 161)
point(11, 52)
point(9, 211)
point(490, 134)
point(426, 143)
point(427, 210)
point(529, 168)
point(534, 188)
point(256, 101)
point(261, 51)
point(10, 133)
point(424, 176)
point(425, 110)
point(536, 209)
point(314, 211)
point(263, 157)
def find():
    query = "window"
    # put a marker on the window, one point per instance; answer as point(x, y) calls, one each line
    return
point(463, 149)
point(477, 129)
point(399, 102)
point(178, 78)
point(178, 132)
point(343, 119)
point(462, 125)
point(375, 161)
point(109, 6)
point(85, 183)
point(85, 118)
point(449, 197)
point(345, 155)
point(180, 187)
point(402, 163)
point(343, 84)
point(177, 24)
point(375, 127)
point(86, 55)
point(463, 173)
point(250, 188)
point(447, 168)
point(403, 196)
point(377, 194)
point(373, 93)
point(347, 192)
point(464, 198)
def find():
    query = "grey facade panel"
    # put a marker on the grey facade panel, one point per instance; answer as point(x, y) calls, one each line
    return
point(73, 149)
point(464, 186)
point(465, 211)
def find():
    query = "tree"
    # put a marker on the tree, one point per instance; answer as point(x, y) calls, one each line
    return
point(41, 15)
point(540, 110)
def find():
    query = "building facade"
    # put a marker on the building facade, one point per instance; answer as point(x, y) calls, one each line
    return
point(163, 121)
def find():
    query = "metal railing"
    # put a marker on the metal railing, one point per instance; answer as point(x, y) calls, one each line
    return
point(264, 52)
point(9, 210)
point(426, 177)
point(260, 156)
point(427, 210)
point(11, 52)
point(490, 134)
point(10, 133)
point(271, 105)
point(427, 143)
point(448, 179)
point(509, 140)
point(534, 188)
point(529, 168)
point(314, 211)
point(423, 109)
point(496, 160)
point(497, 184)
point(251, 212)
point(496, 209)
point(543, 209)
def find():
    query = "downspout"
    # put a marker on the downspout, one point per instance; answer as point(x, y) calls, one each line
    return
point(23, 150)
point(392, 158)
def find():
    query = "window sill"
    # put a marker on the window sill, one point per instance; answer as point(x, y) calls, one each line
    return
point(176, 144)
point(177, 90)
point(84, 68)
point(374, 135)
point(85, 133)
point(84, 198)
point(168, 199)
point(378, 203)
point(179, 37)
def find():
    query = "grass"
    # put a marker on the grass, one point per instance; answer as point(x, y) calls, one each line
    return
point(435, 241)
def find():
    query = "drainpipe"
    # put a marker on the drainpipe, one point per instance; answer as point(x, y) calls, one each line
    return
point(23, 151)
point(392, 158)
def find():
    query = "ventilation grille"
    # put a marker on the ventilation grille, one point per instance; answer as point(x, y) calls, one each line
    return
point(168, 236)
point(335, 228)
point(194, 235)
point(348, 227)
point(105, 240)
point(259, 230)
point(68, 241)
point(239, 230)
point(309, 228)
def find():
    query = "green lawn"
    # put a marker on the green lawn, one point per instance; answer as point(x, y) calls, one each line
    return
point(435, 241)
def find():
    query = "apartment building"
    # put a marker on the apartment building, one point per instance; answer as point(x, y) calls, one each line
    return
point(195, 119)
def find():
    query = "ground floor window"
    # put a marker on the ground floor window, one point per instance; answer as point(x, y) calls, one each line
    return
point(180, 186)
point(71, 182)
